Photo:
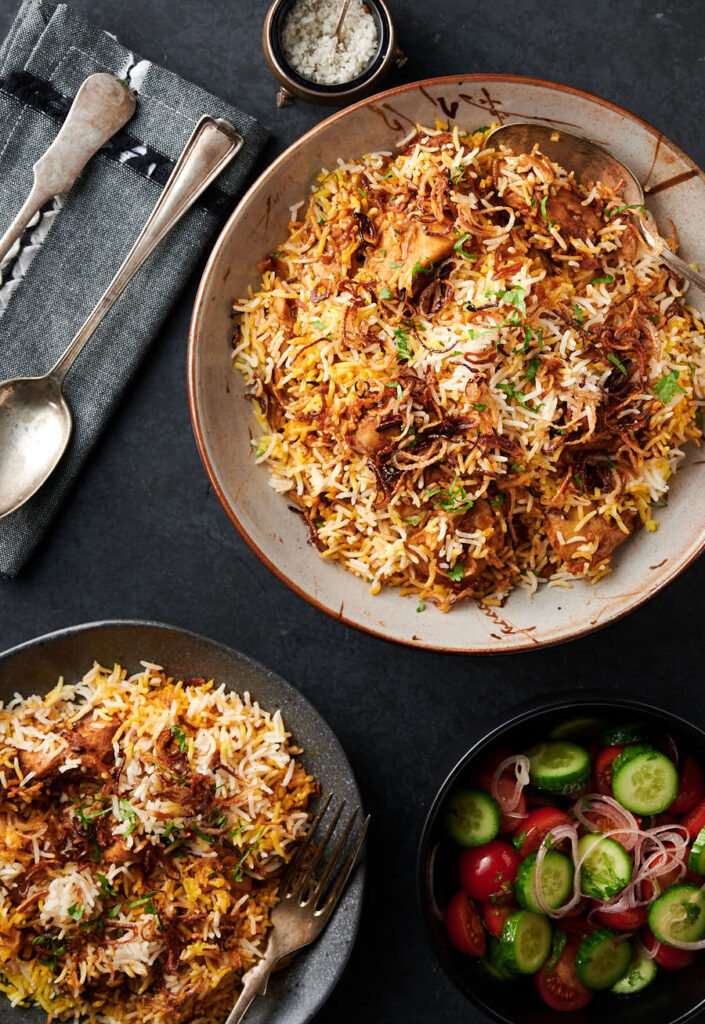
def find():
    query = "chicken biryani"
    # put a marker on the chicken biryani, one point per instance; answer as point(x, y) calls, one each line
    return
point(468, 370)
point(143, 829)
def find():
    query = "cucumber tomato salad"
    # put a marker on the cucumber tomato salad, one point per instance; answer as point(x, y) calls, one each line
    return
point(583, 864)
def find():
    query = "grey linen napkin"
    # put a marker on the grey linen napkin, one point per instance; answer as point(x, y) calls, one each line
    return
point(68, 257)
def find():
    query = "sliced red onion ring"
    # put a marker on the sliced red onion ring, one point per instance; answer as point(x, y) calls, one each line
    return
point(599, 803)
point(521, 771)
point(557, 835)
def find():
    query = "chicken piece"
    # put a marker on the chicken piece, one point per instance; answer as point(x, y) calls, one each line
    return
point(573, 219)
point(281, 308)
point(567, 534)
point(367, 440)
point(95, 737)
point(119, 853)
point(41, 764)
point(490, 520)
point(404, 244)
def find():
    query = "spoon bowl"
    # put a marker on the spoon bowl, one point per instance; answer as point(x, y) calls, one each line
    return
point(35, 426)
point(590, 163)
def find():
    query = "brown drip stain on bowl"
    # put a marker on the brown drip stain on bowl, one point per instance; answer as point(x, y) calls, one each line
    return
point(293, 84)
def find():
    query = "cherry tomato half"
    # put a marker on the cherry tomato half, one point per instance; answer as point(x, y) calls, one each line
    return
point(495, 917)
point(488, 872)
point(464, 925)
point(560, 988)
point(505, 791)
point(623, 920)
point(668, 957)
point(691, 787)
point(535, 828)
point(576, 926)
point(694, 820)
point(603, 769)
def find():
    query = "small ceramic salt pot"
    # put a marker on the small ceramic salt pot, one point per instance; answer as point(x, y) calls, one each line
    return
point(294, 84)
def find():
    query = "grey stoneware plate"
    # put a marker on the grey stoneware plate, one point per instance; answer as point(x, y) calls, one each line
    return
point(296, 993)
point(224, 423)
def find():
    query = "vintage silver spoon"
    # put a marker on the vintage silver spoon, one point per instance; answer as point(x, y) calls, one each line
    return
point(35, 418)
point(591, 162)
point(101, 107)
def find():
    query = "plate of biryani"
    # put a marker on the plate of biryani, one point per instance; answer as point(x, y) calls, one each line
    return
point(154, 786)
point(445, 390)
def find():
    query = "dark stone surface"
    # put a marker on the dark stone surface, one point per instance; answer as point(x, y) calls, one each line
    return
point(144, 536)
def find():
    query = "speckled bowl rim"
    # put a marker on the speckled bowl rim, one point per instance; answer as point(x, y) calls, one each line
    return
point(570, 634)
point(331, 965)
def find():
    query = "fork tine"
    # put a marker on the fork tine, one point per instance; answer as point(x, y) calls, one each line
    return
point(305, 881)
point(337, 891)
point(296, 860)
point(335, 855)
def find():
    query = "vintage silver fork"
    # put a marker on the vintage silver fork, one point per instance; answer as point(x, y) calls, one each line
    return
point(307, 900)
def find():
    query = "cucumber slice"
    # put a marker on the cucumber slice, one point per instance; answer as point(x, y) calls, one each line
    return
point(601, 961)
point(644, 780)
point(640, 973)
point(525, 942)
point(560, 766)
point(678, 913)
point(623, 735)
point(557, 875)
point(606, 869)
point(494, 964)
point(577, 729)
point(472, 817)
point(696, 860)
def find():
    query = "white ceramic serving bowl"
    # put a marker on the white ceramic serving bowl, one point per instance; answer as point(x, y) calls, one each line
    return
point(223, 422)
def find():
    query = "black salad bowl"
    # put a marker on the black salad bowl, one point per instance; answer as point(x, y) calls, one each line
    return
point(674, 996)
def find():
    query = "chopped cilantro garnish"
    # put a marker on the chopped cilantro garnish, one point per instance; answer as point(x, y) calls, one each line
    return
point(480, 406)
point(402, 347)
point(320, 219)
point(217, 818)
point(531, 370)
point(395, 384)
point(483, 128)
point(457, 174)
point(620, 209)
point(518, 841)
point(418, 269)
point(456, 573)
point(458, 247)
point(94, 852)
point(620, 366)
point(362, 193)
point(653, 318)
point(237, 870)
point(320, 326)
point(106, 886)
point(76, 912)
point(180, 737)
point(544, 214)
point(579, 314)
point(126, 813)
point(514, 297)
point(517, 468)
point(385, 293)
point(420, 606)
point(511, 392)
point(607, 279)
point(668, 386)
point(114, 911)
point(395, 266)
point(202, 835)
point(499, 500)
point(453, 500)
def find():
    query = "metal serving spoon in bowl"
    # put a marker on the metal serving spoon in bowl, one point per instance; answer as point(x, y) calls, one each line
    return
point(590, 163)
point(35, 418)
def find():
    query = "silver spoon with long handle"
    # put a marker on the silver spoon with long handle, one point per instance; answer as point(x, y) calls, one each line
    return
point(35, 418)
point(590, 163)
point(101, 107)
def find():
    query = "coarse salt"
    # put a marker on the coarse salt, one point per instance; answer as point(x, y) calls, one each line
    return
point(312, 49)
